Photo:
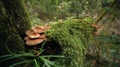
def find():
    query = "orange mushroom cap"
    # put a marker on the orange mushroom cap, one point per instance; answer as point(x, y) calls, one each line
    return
point(32, 34)
point(38, 29)
point(32, 42)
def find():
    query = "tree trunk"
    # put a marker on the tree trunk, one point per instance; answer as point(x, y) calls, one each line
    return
point(14, 21)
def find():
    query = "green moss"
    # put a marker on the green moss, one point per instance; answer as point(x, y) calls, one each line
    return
point(73, 35)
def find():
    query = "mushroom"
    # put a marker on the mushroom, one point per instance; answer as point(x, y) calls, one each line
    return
point(32, 42)
point(38, 29)
point(36, 35)
point(32, 34)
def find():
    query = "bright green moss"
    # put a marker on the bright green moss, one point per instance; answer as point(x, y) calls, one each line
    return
point(73, 36)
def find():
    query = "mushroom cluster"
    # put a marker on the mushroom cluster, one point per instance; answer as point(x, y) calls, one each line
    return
point(36, 35)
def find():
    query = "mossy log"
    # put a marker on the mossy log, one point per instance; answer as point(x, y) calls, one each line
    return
point(73, 36)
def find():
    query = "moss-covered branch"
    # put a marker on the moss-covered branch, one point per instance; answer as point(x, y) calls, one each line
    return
point(72, 36)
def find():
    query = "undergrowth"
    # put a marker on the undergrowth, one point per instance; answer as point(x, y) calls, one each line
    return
point(31, 60)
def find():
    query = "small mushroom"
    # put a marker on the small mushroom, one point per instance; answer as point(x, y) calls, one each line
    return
point(32, 42)
point(38, 29)
point(32, 34)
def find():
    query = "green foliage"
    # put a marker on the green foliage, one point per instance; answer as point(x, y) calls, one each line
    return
point(73, 36)
point(30, 59)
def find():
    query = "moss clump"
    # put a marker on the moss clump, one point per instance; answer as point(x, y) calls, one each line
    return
point(72, 36)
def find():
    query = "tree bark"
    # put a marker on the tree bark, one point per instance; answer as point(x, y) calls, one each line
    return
point(14, 21)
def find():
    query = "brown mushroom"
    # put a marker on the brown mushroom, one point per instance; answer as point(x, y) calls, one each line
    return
point(32, 34)
point(38, 29)
point(32, 42)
